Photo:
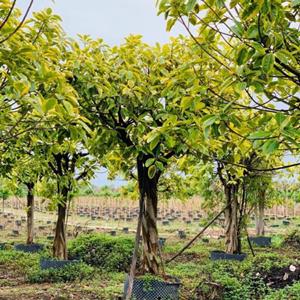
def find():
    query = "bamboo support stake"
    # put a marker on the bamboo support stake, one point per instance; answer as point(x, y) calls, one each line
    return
point(199, 234)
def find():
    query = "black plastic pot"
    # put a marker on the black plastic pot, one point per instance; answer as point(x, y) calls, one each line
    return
point(262, 241)
point(144, 289)
point(55, 264)
point(18, 222)
point(1, 227)
point(274, 225)
point(217, 255)
point(205, 240)
point(285, 222)
point(113, 233)
point(32, 248)
point(181, 234)
point(2, 246)
point(125, 229)
point(161, 242)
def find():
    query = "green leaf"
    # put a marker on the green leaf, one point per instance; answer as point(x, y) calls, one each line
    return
point(170, 23)
point(159, 165)
point(154, 143)
point(258, 47)
point(259, 135)
point(219, 3)
point(149, 162)
point(152, 136)
point(233, 3)
point(209, 120)
point(258, 87)
point(186, 102)
point(242, 56)
point(240, 86)
point(170, 141)
point(199, 106)
point(190, 5)
point(68, 106)
point(268, 62)
point(49, 104)
point(252, 32)
point(285, 56)
point(250, 10)
point(270, 146)
point(151, 171)
point(238, 29)
point(280, 117)
point(295, 3)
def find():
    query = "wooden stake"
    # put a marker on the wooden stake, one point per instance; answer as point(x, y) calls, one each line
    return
point(198, 235)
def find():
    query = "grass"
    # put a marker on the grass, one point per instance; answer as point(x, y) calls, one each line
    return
point(200, 277)
point(193, 268)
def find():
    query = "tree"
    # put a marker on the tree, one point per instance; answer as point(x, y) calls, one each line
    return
point(27, 170)
point(124, 92)
point(260, 194)
point(256, 46)
point(28, 62)
point(4, 193)
point(35, 95)
point(64, 149)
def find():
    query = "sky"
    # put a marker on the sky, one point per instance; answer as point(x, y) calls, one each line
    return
point(111, 20)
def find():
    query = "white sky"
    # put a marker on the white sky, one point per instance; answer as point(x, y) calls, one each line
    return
point(111, 20)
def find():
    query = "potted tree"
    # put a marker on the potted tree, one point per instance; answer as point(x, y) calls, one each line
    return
point(123, 94)
point(259, 193)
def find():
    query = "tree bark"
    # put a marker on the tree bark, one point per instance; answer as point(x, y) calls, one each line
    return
point(60, 244)
point(260, 212)
point(232, 238)
point(148, 190)
point(30, 213)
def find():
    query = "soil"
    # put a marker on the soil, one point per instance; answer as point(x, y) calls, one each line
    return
point(293, 240)
point(278, 278)
point(45, 292)
point(215, 291)
point(13, 286)
point(185, 257)
point(275, 278)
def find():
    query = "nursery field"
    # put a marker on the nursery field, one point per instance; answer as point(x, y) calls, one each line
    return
point(115, 216)
point(151, 155)
point(104, 246)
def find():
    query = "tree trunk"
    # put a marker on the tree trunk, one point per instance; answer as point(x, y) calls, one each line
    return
point(30, 213)
point(232, 238)
point(148, 190)
point(260, 212)
point(59, 244)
